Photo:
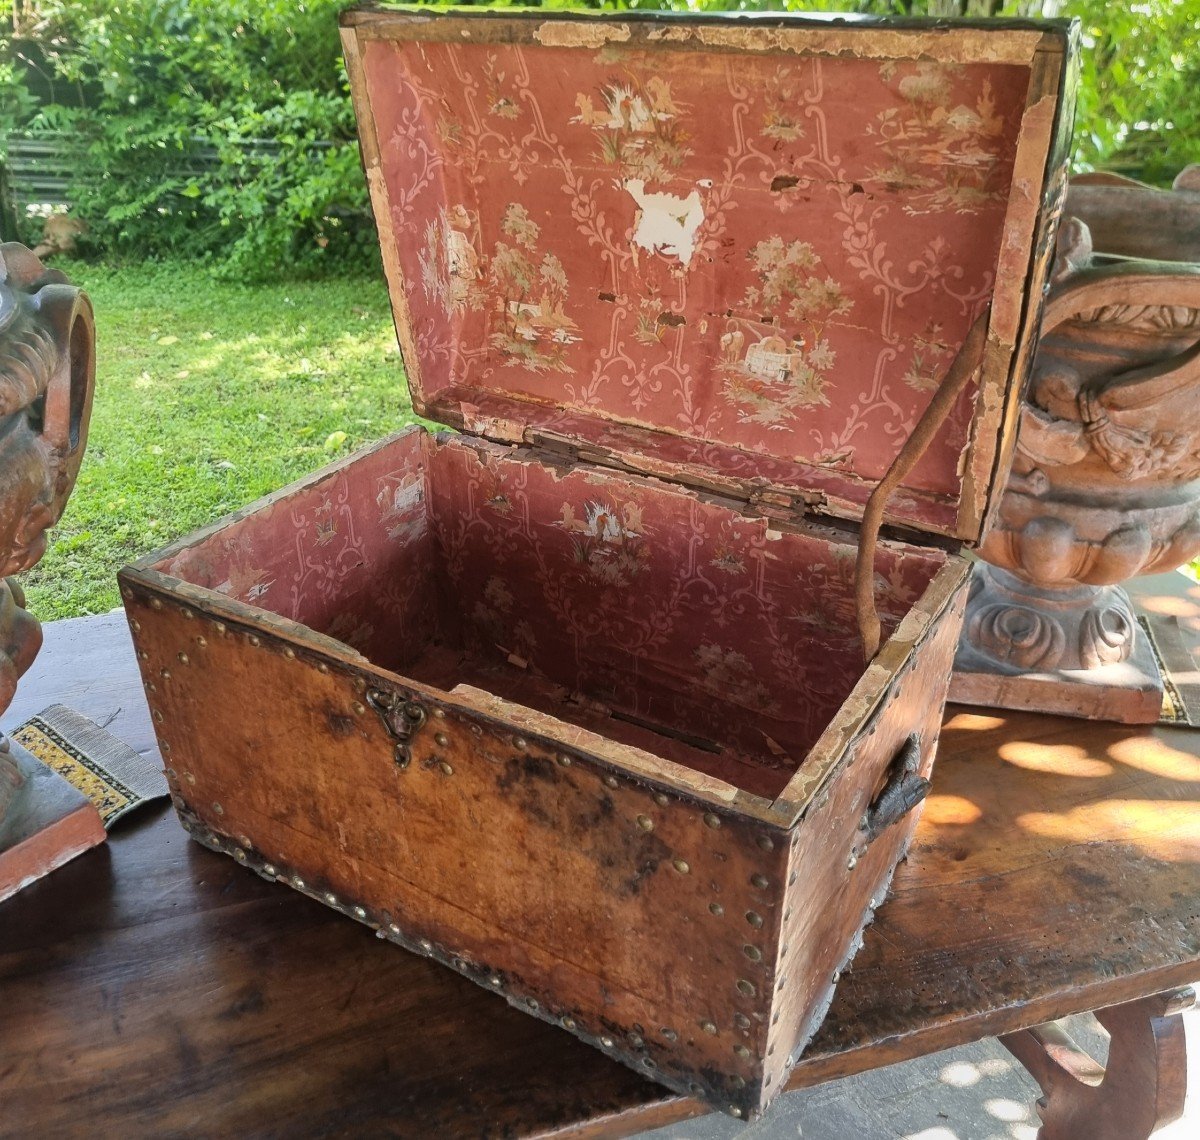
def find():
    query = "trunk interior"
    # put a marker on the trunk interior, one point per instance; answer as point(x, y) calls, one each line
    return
point(628, 606)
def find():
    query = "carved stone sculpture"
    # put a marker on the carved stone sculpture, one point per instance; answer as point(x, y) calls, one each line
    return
point(47, 341)
point(1106, 480)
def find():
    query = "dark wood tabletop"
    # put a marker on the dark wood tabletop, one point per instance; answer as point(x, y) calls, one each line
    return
point(152, 988)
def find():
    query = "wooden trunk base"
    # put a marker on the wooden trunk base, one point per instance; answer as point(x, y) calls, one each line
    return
point(1141, 1089)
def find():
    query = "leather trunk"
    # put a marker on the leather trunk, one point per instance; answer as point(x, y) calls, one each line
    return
point(574, 701)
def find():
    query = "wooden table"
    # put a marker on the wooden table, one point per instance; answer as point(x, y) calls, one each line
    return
point(152, 988)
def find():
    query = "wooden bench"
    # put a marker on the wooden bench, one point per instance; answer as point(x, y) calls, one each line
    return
point(153, 988)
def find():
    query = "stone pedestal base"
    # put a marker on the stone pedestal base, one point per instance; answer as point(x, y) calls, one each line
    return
point(48, 822)
point(1130, 692)
point(1075, 652)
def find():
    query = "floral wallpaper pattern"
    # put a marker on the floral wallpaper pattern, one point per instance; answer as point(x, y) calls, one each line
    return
point(779, 253)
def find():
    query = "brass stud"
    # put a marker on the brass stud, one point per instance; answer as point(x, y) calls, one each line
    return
point(612, 781)
point(645, 823)
point(186, 613)
point(755, 920)
point(239, 854)
point(759, 881)
point(289, 653)
point(218, 809)
point(440, 714)
point(681, 866)
point(322, 667)
point(393, 928)
point(191, 779)
point(766, 843)
point(532, 1003)
point(268, 868)
point(143, 655)
point(852, 860)
point(746, 986)
point(183, 658)
point(753, 953)
point(648, 1062)
point(135, 625)
point(741, 1050)
point(661, 799)
point(165, 746)
point(446, 768)
point(739, 1082)
point(360, 684)
point(158, 716)
point(298, 883)
point(709, 1028)
point(442, 739)
point(202, 642)
point(713, 821)
point(219, 628)
point(331, 898)
point(735, 1111)
point(358, 708)
point(565, 761)
point(670, 1034)
point(716, 908)
point(607, 1042)
point(151, 687)
point(792, 878)
point(520, 744)
point(165, 674)
point(127, 594)
point(185, 825)
point(476, 730)
point(380, 933)
point(741, 1021)
point(156, 603)
point(496, 980)
point(781, 983)
point(244, 840)
point(568, 1023)
point(636, 1041)
point(255, 640)
point(359, 912)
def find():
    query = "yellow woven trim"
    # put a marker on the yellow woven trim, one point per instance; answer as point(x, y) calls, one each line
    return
point(108, 799)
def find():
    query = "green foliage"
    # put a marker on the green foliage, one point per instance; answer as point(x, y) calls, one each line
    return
point(1138, 111)
point(221, 130)
point(210, 129)
point(211, 394)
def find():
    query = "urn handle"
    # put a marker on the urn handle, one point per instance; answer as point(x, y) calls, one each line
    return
point(903, 791)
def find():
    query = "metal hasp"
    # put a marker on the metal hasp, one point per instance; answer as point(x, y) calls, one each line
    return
point(402, 718)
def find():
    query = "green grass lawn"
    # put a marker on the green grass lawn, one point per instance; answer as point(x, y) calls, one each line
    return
point(209, 394)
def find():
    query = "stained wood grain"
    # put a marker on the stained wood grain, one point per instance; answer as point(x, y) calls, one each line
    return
point(156, 989)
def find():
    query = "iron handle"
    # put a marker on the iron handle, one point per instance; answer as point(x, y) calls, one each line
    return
point(903, 791)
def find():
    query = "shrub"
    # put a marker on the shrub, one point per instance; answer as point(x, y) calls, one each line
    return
point(222, 129)
point(209, 129)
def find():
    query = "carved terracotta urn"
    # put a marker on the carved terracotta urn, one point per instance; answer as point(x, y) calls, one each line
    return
point(1106, 480)
point(47, 373)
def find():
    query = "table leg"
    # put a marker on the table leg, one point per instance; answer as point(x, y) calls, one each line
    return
point(1141, 1088)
